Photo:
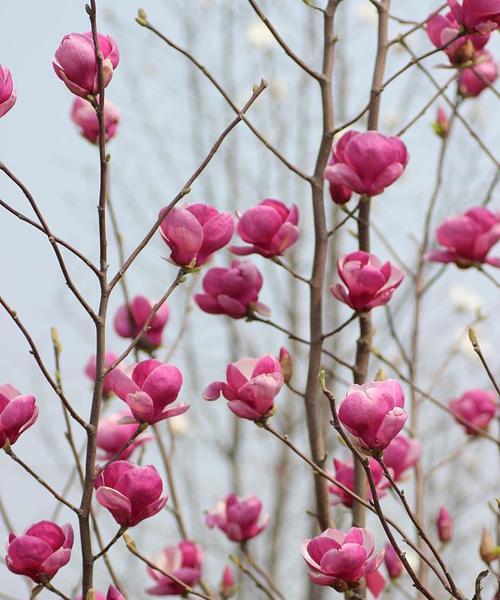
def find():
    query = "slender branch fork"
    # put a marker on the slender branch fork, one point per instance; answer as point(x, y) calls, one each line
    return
point(364, 460)
point(322, 473)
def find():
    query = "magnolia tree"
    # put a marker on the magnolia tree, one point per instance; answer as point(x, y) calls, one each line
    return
point(343, 403)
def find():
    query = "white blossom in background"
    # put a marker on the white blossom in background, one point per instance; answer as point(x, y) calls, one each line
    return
point(367, 13)
point(180, 425)
point(391, 119)
point(465, 346)
point(277, 88)
point(258, 35)
point(464, 301)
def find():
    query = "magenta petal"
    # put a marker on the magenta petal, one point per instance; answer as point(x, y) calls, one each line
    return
point(141, 406)
point(172, 411)
point(213, 390)
point(55, 561)
point(375, 582)
point(116, 503)
point(184, 235)
point(121, 384)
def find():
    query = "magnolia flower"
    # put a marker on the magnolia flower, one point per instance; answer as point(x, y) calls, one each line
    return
point(239, 518)
point(339, 560)
point(40, 551)
point(76, 65)
point(149, 390)
point(7, 91)
point(368, 282)
point(184, 561)
point(364, 163)
point(195, 232)
point(233, 291)
point(84, 115)
point(374, 413)
point(252, 384)
point(130, 493)
point(270, 228)
point(18, 412)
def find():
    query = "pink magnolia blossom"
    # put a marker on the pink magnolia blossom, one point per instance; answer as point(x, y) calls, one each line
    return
point(113, 435)
point(340, 560)
point(239, 518)
point(233, 292)
point(344, 473)
point(113, 594)
point(442, 123)
point(476, 408)
point(368, 282)
point(40, 551)
point(441, 29)
point(444, 525)
point(392, 561)
point(130, 493)
point(150, 390)
point(83, 114)
point(477, 15)
point(475, 79)
point(7, 91)
point(468, 238)
point(90, 370)
point(365, 163)
point(252, 384)
point(75, 62)
point(129, 321)
point(195, 232)
point(270, 228)
point(227, 586)
point(184, 561)
point(402, 454)
point(374, 413)
point(17, 413)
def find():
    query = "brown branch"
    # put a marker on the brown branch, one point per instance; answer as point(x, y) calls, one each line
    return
point(365, 462)
point(52, 240)
point(111, 543)
point(259, 584)
point(180, 278)
point(218, 86)
point(340, 327)
point(95, 411)
point(38, 359)
point(317, 281)
point(258, 89)
point(276, 260)
point(288, 51)
point(188, 590)
point(58, 240)
point(451, 104)
point(421, 532)
point(8, 450)
point(321, 472)
point(477, 349)
point(434, 401)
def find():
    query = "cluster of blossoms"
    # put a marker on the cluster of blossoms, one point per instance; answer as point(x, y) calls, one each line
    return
point(462, 33)
point(372, 413)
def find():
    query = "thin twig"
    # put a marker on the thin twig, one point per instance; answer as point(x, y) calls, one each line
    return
point(186, 188)
point(8, 450)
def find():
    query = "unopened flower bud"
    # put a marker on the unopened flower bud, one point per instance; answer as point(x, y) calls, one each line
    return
point(441, 125)
point(286, 363)
point(227, 586)
point(488, 550)
point(444, 525)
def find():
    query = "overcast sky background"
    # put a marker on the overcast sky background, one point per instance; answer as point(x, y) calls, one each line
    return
point(170, 118)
